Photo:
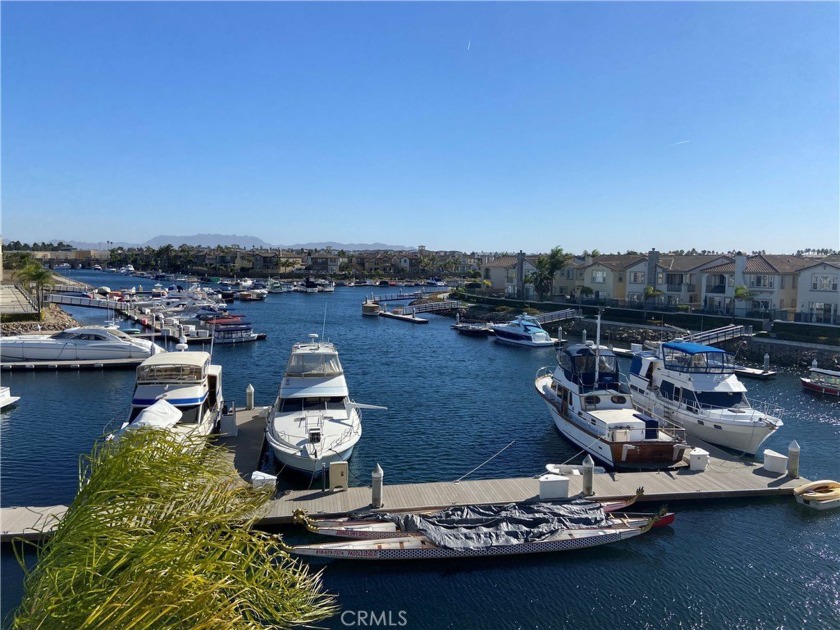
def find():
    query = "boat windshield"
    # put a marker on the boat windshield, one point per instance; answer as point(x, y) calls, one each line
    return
point(586, 364)
point(170, 373)
point(711, 362)
point(313, 364)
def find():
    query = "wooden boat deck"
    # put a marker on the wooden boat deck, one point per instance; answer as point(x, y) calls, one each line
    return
point(726, 476)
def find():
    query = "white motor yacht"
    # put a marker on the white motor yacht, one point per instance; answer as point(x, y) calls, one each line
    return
point(84, 343)
point(313, 421)
point(695, 386)
point(524, 330)
point(177, 391)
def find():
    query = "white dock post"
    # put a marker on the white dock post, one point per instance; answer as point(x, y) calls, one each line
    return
point(766, 362)
point(249, 397)
point(583, 335)
point(793, 460)
point(376, 486)
point(588, 473)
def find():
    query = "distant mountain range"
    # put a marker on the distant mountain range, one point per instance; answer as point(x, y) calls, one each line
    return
point(246, 242)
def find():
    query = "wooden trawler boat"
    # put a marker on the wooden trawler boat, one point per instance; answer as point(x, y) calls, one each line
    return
point(475, 531)
point(593, 409)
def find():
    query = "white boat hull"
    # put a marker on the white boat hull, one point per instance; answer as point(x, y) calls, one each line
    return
point(310, 465)
point(743, 436)
point(581, 438)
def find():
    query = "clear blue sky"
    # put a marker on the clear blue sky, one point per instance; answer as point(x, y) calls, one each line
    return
point(471, 126)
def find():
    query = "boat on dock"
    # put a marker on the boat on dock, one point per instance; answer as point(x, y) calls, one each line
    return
point(82, 343)
point(524, 330)
point(475, 531)
point(822, 381)
point(179, 392)
point(695, 386)
point(313, 422)
point(471, 329)
point(592, 408)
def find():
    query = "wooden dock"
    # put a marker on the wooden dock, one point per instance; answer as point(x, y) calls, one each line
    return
point(726, 476)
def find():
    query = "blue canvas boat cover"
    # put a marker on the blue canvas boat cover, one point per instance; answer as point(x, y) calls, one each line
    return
point(691, 348)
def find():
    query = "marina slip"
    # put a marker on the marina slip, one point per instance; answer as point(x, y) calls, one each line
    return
point(464, 425)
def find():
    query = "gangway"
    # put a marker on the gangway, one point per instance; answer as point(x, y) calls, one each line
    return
point(724, 333)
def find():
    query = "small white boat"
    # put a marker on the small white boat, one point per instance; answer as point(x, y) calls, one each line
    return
point(524, 330)
point(85, 343)
point(179, 392)
point(6, 398)
point(819, 495)
point(313, 422)
point(695, 386)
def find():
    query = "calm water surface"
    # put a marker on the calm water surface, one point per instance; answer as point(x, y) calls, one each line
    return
point(453, 402)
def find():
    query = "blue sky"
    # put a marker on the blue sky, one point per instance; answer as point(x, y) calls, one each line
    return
point(470, 126)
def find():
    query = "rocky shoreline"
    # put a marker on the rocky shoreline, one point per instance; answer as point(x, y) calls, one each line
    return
point(750, 350)
point(54, 319)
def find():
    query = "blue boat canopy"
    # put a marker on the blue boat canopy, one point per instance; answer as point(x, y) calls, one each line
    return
point(691, 348)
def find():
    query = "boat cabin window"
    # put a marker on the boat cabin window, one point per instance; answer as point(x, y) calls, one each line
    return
point(63, 335)
point(618, 400)
point(592, 400)
point(719, 399)
point(313, 364)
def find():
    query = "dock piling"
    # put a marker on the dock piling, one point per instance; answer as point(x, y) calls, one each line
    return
point(249, 397)
point(793, 460)
point(376, 486)
point(588, 473)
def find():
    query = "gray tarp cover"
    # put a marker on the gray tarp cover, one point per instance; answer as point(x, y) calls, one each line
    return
point(479, 526)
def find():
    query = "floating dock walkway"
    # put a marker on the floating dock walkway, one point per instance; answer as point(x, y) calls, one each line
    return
point(725, 476)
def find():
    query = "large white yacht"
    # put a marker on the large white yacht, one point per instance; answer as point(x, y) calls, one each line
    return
point(177, 391)
point(84, 343)
point(696, 387)
point(524, 330)
point(313, 421)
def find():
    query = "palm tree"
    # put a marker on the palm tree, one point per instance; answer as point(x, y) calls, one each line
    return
point(742, 294)
point(547, 267)
point(35, 273)
point(651, 296)
point(160, 536)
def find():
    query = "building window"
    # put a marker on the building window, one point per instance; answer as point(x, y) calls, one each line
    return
point(761, 281)
point(823, 282)
point(599, 277)
point(637, 277)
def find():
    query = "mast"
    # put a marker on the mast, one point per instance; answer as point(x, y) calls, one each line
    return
point(597, 347)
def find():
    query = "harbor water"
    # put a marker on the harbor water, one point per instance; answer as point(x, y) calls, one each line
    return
point(453, 403)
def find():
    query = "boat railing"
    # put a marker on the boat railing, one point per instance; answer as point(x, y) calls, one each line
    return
point(749, 407)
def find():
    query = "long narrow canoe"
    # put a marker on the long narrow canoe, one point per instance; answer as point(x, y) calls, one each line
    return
point(419, 547)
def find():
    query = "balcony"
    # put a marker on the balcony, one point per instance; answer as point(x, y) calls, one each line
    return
point(718, 288)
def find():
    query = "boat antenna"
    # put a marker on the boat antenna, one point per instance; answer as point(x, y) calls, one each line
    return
point(597, 348)
point(324, 325)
